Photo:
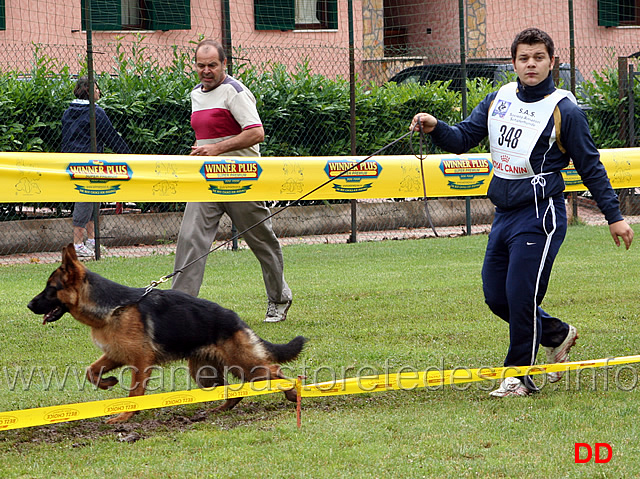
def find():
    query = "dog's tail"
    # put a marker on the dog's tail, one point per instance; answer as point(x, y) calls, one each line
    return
point(282, 353)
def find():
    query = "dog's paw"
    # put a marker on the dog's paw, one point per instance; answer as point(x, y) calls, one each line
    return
point(106, 383)
point(228, 404)
point(125, 416)
point(291, 395)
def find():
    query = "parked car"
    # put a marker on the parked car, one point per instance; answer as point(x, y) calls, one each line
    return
point(497, 73)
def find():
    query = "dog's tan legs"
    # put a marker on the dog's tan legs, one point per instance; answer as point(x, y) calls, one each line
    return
point(228, 404)
point(209, 373)
point(98, 368)
point(276, 373)
point(139, 377)
point(273, 371)
point(270, 371)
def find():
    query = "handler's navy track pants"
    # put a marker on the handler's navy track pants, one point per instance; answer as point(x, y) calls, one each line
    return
point(520, 253)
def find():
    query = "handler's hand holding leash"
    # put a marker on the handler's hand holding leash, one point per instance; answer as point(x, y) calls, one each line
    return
point(424, 123)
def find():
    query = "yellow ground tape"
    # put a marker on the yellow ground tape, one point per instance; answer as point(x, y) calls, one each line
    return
point(74, 412)
point(367, 384)
point(431, 379)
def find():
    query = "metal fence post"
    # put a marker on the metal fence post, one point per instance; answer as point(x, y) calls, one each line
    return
point(225, 19)
point(572, 48)
point(92, 119)
point(463, 71)
point(632, 109)
point(623, 90)
point(352, 118)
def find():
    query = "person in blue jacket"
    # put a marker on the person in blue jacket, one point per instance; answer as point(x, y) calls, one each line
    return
point(534, 130)
point(76, 138)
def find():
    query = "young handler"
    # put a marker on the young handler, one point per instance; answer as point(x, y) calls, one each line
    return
point(534, 130)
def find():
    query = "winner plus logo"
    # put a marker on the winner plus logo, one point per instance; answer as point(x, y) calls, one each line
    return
point(230, 177)
point(354, 174)
point(97, 177)
point(465, 173)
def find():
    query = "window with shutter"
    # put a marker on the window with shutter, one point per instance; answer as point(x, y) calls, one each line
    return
point(170, 14)
point(3, 16)
point(138, 14)
point(613, 13)
point(105, 14)
point(274, 14)
point(296, 14)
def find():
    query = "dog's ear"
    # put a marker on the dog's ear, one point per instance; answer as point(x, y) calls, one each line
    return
point(71, 267)
point(70, 261)
point(69, 254)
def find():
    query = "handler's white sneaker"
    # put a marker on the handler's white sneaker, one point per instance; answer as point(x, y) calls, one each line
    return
point(91, 244)
point(560, 354)
point(277, 312)
point(82, 251)
point(511, 387)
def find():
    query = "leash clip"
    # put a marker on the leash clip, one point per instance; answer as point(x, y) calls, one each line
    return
point(154, 284)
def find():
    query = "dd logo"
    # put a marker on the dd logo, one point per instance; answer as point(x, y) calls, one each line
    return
point(589, 454)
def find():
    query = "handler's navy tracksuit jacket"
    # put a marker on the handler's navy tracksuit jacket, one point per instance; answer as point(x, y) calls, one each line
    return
point(76, 135)
point(530, 225)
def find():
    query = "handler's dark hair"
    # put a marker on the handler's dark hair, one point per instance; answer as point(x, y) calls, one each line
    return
point(81, 90)
point(211, 43)
point(531, 36)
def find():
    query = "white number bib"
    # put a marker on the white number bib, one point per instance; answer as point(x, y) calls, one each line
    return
point(514, 128)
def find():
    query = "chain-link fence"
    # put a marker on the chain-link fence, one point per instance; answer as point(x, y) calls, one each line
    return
point(321, 73)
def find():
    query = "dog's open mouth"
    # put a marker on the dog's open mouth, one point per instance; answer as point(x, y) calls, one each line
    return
point(54, 315)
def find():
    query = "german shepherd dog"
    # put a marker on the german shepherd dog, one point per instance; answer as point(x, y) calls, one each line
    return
point(141, 331)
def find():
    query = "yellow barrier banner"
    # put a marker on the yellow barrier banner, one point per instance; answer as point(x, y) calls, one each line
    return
point(53, 177)
point(366, 384)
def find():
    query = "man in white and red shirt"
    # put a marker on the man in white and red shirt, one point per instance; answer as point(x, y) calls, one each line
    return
point(226, 122)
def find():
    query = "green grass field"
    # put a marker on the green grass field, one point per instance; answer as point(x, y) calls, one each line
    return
point(366, 307)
